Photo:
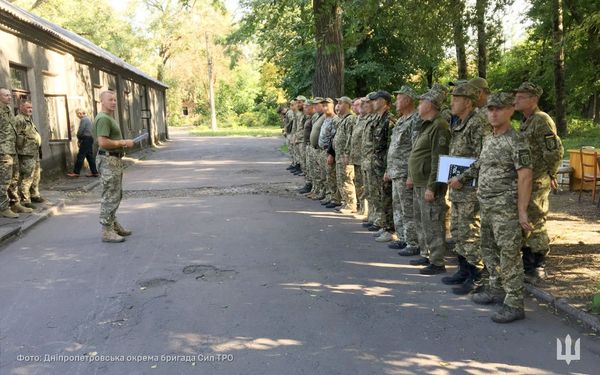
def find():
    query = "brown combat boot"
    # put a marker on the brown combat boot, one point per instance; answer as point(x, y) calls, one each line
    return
point(20, 209)
point(120, 230)
point(109, 235)
point(9, 214)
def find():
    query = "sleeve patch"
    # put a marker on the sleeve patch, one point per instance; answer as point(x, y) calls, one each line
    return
point(550, 141)
point(524, 157)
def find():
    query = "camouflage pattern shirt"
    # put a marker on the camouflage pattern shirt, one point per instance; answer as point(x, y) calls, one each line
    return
point(381, 140)
point(401, 146)
point(28, 138)
point(354, 145)
point(289, 121)
point(8, 132)
point(546, 148)
point(342, 134)
point(500, 158)
point(316, 129)
point(367, 147)
point(467, 139)
point(299, 127)
point(328, 131)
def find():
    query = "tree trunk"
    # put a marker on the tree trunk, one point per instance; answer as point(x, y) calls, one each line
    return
point(559, 66)
point(328, 80)
point(458, 29)
point(480, 11)
point(429, 76)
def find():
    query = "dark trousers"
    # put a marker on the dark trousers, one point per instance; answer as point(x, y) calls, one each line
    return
point(86, 151)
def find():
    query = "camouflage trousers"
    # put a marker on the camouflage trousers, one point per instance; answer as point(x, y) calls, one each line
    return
point(359, 187)
point(111, 176)
point(345, 183)
point(429, 220)
point(372, 191)
point(387, 206)
point(320, 171)
point(331, 190)
point(26, 176)
point(7, 166)
point(537, 212)
point(300, 155)
point(501, 239)
point(306, 166)
point(404, 220)
point(466, 230)
point(312, 169)
point(34, 190)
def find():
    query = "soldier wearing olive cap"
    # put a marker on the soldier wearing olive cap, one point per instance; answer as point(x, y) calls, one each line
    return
point(397, 170)
point(504, 177)
point(318, 190)
point(344, 170)
point(327, 132)
point(539, 131)
point(466, 141)
point(429, 195)
point(373, 221)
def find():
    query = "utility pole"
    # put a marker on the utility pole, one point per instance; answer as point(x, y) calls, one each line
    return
point(211, 89)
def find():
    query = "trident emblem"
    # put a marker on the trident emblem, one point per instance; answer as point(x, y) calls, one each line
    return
point(569, 355)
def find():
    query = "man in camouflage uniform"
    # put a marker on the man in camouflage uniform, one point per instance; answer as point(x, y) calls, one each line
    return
point(381, 139)
point(111, 148)
point(8, 151)
point(484, 93)
point(429, 195)
point(309, 110)
point(318, 178)
point(332, 196)
point(344, 170)
point(288, 122)
point(504, 187)
point(466, 141)
point(397, 171)
point(373, 223)
point(353, 146)
point(28, 146)
point(298, 136)
point(539, 132)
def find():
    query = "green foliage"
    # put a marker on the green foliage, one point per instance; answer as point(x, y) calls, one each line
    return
point(237, 131)
point(582, 132)
point(596, 301)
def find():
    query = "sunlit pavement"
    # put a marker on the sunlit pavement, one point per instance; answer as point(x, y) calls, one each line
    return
point(220, 277)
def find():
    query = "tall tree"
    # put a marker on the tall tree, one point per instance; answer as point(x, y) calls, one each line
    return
point(458, 32)
point(559, 66)
point(480, 12)
point(328, 80)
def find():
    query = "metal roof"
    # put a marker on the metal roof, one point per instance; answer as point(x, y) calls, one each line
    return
point(72, 39)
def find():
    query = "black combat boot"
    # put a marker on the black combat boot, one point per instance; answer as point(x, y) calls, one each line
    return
point(460, 275)
point(307, 188)
point(538, 269)
point(471, 283)
point(528, 261)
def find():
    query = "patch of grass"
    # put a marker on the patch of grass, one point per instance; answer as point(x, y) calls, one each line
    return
point(237, 132)
point(582, 132)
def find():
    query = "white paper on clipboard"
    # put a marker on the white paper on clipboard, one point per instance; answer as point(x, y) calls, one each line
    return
point(451, 166)
point(140, 138)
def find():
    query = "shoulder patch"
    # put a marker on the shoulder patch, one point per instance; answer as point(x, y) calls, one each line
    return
point(524, 157)
point(442, 141)
point(550, 141)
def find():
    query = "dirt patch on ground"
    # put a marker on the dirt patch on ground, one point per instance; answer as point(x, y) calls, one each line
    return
point(574, 263)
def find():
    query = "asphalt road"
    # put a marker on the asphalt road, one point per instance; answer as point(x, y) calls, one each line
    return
point(230, 272)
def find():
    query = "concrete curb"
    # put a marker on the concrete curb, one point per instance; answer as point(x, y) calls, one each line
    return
point(563, 306)
point(27, 225)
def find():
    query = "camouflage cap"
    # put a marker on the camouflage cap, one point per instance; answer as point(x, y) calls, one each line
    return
point(344, 99)
point(467, 90)
point(301, 98)
point(436, 98)
point(317, 100)
point(501, 99)
point(457, 82)
point(408, 91)
point(441, 88)
point(324, 100)
point(381, 94)
point(371, 95)
point(480, 83)
point(530, 88)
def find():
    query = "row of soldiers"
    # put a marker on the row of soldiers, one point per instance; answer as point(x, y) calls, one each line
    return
point(20, 153)
point(358, 158)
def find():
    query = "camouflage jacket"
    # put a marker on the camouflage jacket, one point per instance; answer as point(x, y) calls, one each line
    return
point(327, 132)
point(354, 145)
point(8, 132)
point(367, 148)
point(381, 140)
point(28, 138)
point(401, 146)
point(299, 127)
point(433, 141)
point(496, 168)
point(288, 121)
point(316, 129)
point(307, 127)
point(343, 134)
point(546, 148)
point(466, 141)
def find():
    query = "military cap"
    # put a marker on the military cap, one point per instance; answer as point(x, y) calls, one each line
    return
point(501, 99)
point(530, 88)
point(441, 88)
point(301, 98)
point(457, 82)
point(480, 83)
point(371, 95)
point(436, 98)
point(408, 91)
point(324, 100)
point(344, 99)
point(317, 100)
point(467, 90)
point(381, 94)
